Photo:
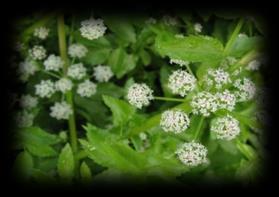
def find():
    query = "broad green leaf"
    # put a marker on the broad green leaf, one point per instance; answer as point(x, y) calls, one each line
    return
point(97, 56)
point(42, 177)
point(23, 165)
point(121, 110)
point(66, 164)
point(191, 48)
point(40, 150)
point(165, 72)
point(145, 57)
point(228, 146)
point(246, 150)
point(85, 172)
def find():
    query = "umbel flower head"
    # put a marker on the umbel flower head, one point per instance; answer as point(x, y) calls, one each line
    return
point(180, 82)
point(86, 88)
point(37, 52)
point(41, 32)
point(63, 85)
point(226, 100)
point(175, 121)
point(53, 63)
point(192, 154)
point(225, 128)
point(77, 71)
point(92, 28)
point(77, 50)
point(45, 89)
point(28, 101)
point(61, 110)
point(24, 119)
point(217, 78)
point(26, 69)
point(253, 65)
point(246, 89)
point(204, 103)
point(102, 73)
point(197, 27)
point(139, 95)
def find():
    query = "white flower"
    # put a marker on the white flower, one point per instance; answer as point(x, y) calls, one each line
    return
point(26, 69)
point(53, 63)
point(253, 65)
point(24, 119)
point(139, 95)
point(86, 88)
point(246, 89)
point(192, 154)
point(217, 77)
point(41, 32)
point(92, 28)
point(143, 136)
point(175, 121)
point(37, 52)
point(180, 82)
point(198, 27)
point(102, 73)
point(179, 36)
point(226, 100)
point(63, 85)
point(204, 103)
point(77, 71)
point(28, 101)
point(169, 20)
point(179, 62)
point(242, 35)
point(45, 89)
point(225, 128)
point(61, 110)
point(77, 50)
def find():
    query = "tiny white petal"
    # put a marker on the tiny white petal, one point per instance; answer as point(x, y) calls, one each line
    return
point(61, 110)
point(86, 88)
point(92, 28)
point(139, 95)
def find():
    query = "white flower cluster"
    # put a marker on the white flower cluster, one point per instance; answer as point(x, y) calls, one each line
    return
point(175, 121)
point(61, 110)
point(246, 89)
point(197, 27)
point(217, 78)
point(45, 89)
point(179, 62)
point(169, 20)
point(26, 69)
point(102, 73)
point(180, 82)
point(204, 103)
point(77, 71)
point(86, 88)
point(37, 52)
point(63, 85)
point(192, 154)
point(77, 51)
point(139, 95)
point(226, 100)
point(24, 119)
point(228, 61)
point(225, 128)
point(253, 65)
point(28, 101)
point(53, 63)
point(41, 32)
point(92, 28)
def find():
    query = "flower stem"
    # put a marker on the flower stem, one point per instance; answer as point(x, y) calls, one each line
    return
point(198, 131)
point(168, 99)
point(69, 95)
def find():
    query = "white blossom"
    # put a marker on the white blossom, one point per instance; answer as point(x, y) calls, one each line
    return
point(204, 103)
point(180, 82)
point(242, 35)
point(61, 110)
point(41, 32)
point(77, 50)
point(139, 95)
point(225, 128)
point(217, 78)
point(198, 27)
point(86, 88)
point(253, 65)
point(77, 71)
point(28, 101)
point(102, 73)
point(179, 62)
point(143, 136)
point(246, 89)
point(45, 89)
point(226, 100)
point(37, 52)
point(175, 121)
point(26, 69)
point(24, 119)
point(63, 85)
point(192, 154)
point(53, 63)
point(92, 28)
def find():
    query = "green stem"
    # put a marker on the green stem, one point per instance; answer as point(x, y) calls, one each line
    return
point(198, 132)
point(52, 74)
point(246, 59)
point(168, 99)
point(233, 36)
point(69, 95)
point(189, 69)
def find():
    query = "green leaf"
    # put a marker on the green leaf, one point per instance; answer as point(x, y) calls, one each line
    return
point(246, 150)
point(191, 48)
point(228, 146)
point(66, 163)
point(42, 177)
point(145, 57)
point(40, 150)
point(23, 165)
point(121, 110)
point(97, 56)
point(85, 172)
